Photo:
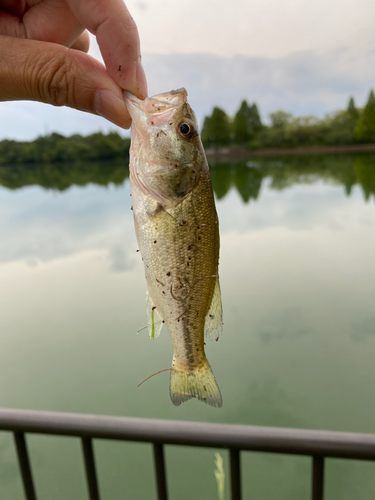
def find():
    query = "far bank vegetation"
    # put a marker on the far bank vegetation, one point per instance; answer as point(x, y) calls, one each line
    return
point(245, 129)
point(349, 126)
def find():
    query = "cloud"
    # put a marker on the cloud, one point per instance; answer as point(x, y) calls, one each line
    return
point(302, 83)
point(266, 28)
point(306, 82)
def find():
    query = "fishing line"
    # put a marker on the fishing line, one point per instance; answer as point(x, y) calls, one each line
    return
point(166, 369)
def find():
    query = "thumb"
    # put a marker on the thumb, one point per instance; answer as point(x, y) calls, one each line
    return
point(53, 74)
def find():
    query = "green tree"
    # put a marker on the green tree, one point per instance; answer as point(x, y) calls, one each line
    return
point(216, 129)
point(246, 123)
point(365, 129)
point(340, 127)
point(352, 110)
point(280, 119)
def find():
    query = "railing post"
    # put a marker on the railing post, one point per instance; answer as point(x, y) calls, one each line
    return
point(24, 465)
point(161, 483)
point(92, 482)
point(235, 474)
point(317, 478)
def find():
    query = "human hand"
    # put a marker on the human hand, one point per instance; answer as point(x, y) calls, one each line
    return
point(42, 55)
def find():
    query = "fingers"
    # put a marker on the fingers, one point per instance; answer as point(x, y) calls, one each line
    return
point(47, 20)
point(16, 8)
point(82, 43)
point(118, 39)
point(51, 21)
point(51, 73)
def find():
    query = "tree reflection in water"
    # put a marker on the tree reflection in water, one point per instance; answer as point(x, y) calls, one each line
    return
point(246, 175)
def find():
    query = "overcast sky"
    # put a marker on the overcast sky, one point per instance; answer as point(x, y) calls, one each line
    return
point(302, 56)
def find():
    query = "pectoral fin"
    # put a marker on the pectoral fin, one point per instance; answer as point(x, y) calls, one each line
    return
point(213, 326)
point(155, 322)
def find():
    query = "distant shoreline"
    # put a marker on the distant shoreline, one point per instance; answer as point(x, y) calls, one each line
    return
point(241, 152)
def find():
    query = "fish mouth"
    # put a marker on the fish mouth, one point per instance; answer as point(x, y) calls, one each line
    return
point(134, 105)
point(165, 103)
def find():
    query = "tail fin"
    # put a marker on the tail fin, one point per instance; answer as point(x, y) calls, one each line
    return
point(199, 383)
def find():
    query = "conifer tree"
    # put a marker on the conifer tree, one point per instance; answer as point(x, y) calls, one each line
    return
point(352, 110)
point(365, 129)
point(246, 123)
point(216, 129)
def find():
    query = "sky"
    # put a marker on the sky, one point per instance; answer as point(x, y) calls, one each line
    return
point(301, 56)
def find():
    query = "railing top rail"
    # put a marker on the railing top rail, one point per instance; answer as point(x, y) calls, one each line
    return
point(268, 439)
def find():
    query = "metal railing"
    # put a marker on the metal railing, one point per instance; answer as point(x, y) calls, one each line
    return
point(317, 444)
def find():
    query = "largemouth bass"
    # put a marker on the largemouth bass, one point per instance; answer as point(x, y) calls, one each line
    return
point(178, 235)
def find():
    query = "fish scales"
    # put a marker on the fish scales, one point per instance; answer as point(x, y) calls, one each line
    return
point(178, 234)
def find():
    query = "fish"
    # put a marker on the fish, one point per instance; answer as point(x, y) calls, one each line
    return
point(177, 230)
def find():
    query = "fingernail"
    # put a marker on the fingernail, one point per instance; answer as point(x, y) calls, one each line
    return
point(141, 80)
point(111, 107)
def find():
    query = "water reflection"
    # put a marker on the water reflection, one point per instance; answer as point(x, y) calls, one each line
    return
point(245, 176)
point(62, 176)
point(298, 291)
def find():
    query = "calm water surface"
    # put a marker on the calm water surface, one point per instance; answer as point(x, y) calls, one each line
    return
point(298, 284)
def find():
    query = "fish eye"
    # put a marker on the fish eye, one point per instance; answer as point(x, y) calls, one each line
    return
point(184, 128)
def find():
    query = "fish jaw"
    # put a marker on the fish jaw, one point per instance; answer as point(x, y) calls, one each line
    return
point(154, 111)
point(165, 163)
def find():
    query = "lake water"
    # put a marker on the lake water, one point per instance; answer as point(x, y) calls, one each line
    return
point(297, 274)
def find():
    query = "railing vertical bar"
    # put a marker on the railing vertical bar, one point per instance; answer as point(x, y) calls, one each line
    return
point(92, 481)
point(235, 474)
point(161, 483)
point(24, 465)
point(317, 478)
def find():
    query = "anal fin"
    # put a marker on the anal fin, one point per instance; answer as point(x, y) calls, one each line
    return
point(213, 326)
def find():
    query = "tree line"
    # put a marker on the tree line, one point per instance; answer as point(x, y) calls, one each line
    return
point(58, 148)
point(350, 126)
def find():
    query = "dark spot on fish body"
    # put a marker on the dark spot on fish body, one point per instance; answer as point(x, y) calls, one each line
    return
point(217, 339)
point(168, 273)
point(211, 316)
point(119, 68)
point(155, 241)
point(199, 237)
point(204, 387)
